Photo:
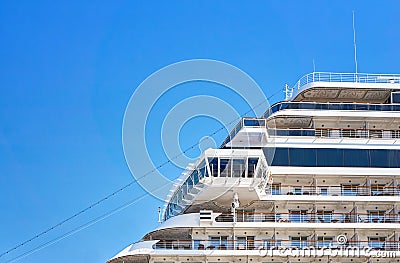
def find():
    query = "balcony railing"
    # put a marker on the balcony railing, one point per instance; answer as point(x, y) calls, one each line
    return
point(346, 77)
point(310, 217)
point(337, 133)
point(329, 106)
point(325, 132)
point(209, 244)
point(340, 190)
point(244, 122)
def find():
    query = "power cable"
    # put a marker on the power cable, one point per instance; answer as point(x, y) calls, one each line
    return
point(81, 227)
point(127, 185)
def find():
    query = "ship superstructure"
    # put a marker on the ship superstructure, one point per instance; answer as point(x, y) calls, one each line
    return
point(315, 179)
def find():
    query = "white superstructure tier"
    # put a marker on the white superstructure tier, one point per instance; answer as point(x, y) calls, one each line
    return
point(315, 179)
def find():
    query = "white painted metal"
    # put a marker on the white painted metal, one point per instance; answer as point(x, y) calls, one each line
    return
point(283, 204)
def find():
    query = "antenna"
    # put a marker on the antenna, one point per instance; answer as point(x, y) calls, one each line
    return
point(159, 215)
point(355, 46)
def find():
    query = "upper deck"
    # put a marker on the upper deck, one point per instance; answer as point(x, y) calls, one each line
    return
point(344, 87)
point(335, 110)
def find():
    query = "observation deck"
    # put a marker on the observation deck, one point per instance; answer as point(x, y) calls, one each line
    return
point(344, 87)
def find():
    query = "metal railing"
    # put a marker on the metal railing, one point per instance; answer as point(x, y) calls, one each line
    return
point(337, 133)
point(310, 217)
point(329, 133)
point(261, 122)
point(344, 190)
point(329, 106)
point(346, 77)
point(237, 244)
point(245, 122)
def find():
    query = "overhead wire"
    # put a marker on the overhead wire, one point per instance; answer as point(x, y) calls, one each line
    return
point(136, 180)
point(81, 227)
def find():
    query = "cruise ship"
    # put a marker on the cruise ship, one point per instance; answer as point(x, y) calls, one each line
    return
point(315, 179)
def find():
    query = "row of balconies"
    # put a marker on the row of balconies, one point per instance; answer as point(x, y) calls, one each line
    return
point(339, 190)
point(304, 216)
point(223, 243)
point(337, 133)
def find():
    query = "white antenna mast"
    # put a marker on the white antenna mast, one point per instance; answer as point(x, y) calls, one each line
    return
point(355, 46)
point(159, 215)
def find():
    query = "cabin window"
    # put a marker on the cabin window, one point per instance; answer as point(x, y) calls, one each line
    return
point(350, 189)
point(325, 241)
point(252, 164)
point(298, 216)
point(376, 216)
point(299, 242)
point(325, 216)
point(376, 242)
point(224, 167)
point(213, 162)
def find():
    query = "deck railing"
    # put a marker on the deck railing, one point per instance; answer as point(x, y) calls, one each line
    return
point(271, 244)
point(330, 106)
point(337, 133)
point(261, 122)
point(310, 217)
point(346, 77)
point(328, 133)
point(340, 190)
point(244, 122)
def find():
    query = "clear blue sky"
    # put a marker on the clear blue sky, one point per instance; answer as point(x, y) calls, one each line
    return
point(68, 70)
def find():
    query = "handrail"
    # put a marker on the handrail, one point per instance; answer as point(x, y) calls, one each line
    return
point(270, 243)
point(324, 212)
point(328, 132)
point(336, 190)
point(346, 77)
point(310, 217)
point(339, 186)
point(289, 105)
point(244, 122)
point(261, 122)
point(266, 240)
point(337, 133)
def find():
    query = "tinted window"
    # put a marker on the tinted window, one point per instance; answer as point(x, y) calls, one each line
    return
point(356, 158)
point(277, 156)
point(393, 158)
point(379, 158)
point(213, 166)
point(396, 97)
point(298, 157)
point(252, 164)
point(329, 157)
point(320, 157)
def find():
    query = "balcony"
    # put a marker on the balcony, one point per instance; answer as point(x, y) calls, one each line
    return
point(320, 132)
point(244, 122)
point(337, 133)
point(272, 244)
point(340, 190)
point(329, 106)
point(213, 165)
point(311, 217)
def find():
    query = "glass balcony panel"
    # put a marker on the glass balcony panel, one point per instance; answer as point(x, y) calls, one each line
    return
point(225, 168)
point(238, 168)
